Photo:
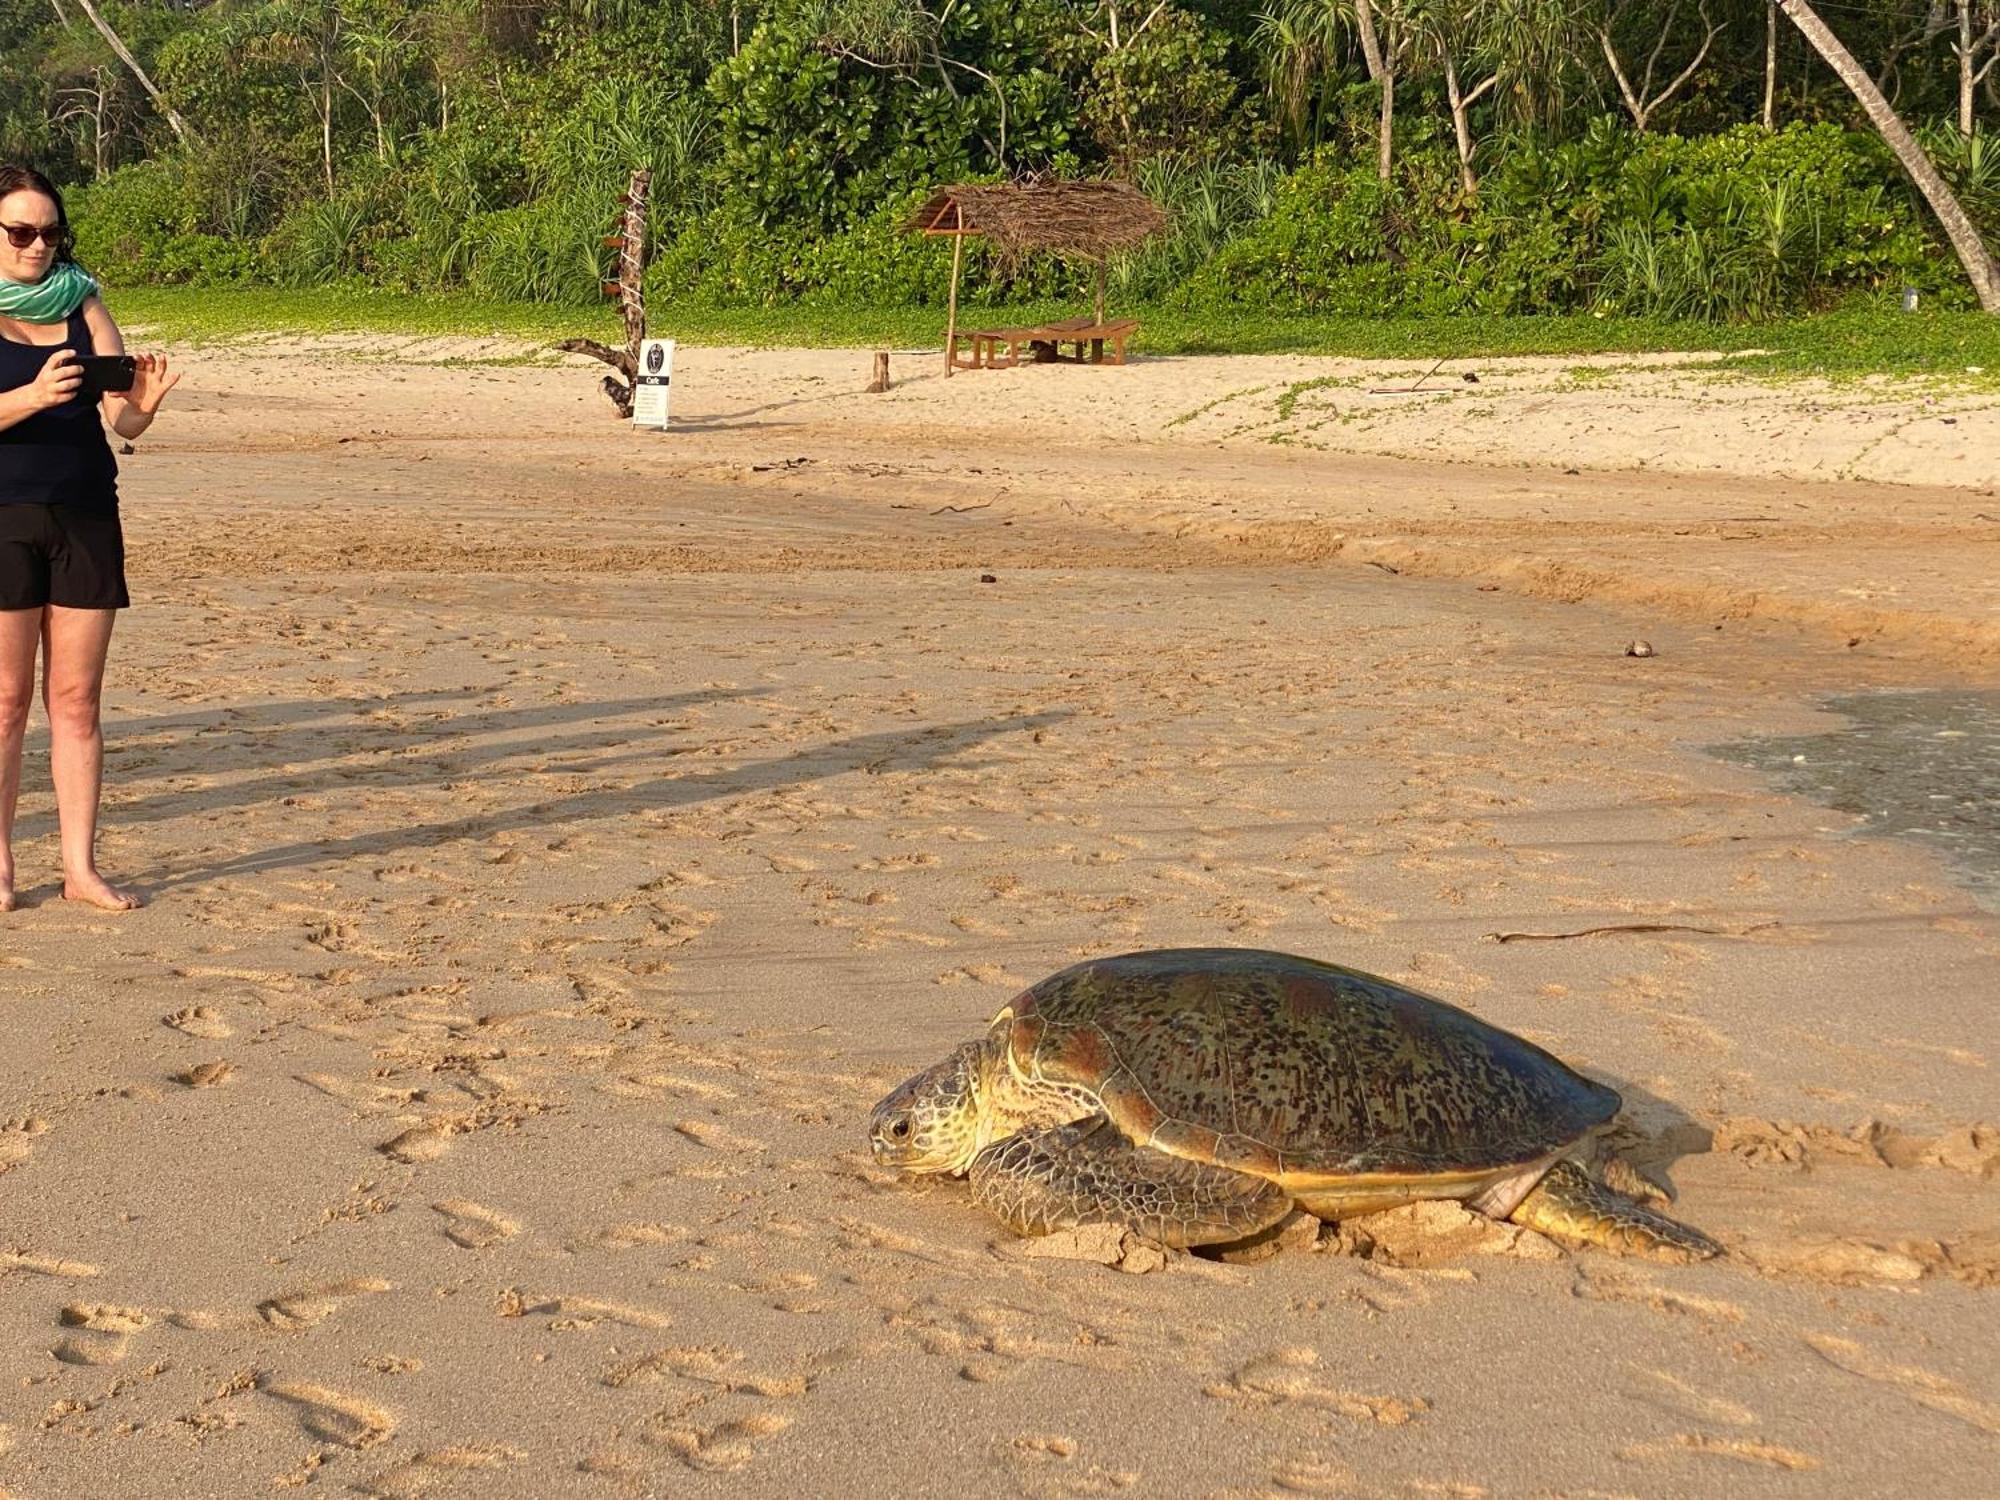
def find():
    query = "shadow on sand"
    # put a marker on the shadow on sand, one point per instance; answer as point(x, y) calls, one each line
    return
point(316, 751)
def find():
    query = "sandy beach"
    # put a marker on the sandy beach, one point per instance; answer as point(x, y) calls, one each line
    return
point(557, 837)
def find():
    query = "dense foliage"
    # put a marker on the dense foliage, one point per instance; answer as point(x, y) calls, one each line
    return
point(482, 144)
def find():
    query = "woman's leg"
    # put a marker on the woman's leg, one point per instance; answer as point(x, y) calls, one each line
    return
point(20, 634)
point(74, 645)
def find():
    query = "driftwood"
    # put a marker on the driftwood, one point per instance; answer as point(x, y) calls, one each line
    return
point(1551, 937)
point(630, 290)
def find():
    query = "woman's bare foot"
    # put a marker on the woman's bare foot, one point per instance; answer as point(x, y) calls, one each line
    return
point(94, 890)
point(8, 900)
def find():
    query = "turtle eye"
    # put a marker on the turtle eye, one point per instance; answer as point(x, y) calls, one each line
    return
point(899, 1128)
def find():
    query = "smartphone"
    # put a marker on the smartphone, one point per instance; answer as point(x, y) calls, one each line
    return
point(106, 372)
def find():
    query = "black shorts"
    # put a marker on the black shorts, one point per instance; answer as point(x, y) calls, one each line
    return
point(61, 554)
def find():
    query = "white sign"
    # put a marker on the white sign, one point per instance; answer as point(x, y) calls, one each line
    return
point(652, 383)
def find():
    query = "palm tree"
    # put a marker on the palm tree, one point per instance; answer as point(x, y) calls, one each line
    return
point(1980, 267)
point(1302, 44)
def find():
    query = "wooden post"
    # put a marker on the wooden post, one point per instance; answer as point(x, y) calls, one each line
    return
point(632, 262)
point(951, 316)
point(1100, 293)
point(881, 381)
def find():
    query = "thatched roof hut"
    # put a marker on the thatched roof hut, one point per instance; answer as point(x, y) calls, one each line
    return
point(1079, 220)
point(1084, 220)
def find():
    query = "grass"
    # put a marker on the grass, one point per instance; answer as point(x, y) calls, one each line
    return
point(1859, 340)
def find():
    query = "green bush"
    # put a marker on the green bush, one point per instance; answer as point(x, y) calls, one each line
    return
point(1742, 224)
point(546, 251)
point(148, 223)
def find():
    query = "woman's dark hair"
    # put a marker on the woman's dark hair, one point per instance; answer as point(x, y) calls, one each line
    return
point(15, 178)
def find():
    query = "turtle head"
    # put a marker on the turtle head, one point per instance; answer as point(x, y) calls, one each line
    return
point(932, 1122)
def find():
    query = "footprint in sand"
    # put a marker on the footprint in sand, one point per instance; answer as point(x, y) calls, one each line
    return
point(103, 1333)
point(332, 1417)
point(420, 1143)
point(208, 1075)
point(711, 1366)
point(1290, 1378)
point(199, 1020)
point(1046, 1465)
point(473, 1226)
point(425, 1473)
point(1312, 1475)
point(311, 1306)
point(363, 1099)
point(727, 1446)
point(17, 1140)
point(579, 1312)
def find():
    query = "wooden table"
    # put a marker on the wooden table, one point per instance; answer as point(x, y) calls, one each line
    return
point(1044, 343)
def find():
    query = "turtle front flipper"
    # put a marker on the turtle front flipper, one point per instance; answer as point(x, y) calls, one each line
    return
point(1068, 1176)
point(1569, 1204)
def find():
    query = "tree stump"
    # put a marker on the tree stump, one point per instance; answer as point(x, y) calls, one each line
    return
point(881, 381)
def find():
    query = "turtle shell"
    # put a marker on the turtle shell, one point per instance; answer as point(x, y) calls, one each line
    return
point(1303, 1072)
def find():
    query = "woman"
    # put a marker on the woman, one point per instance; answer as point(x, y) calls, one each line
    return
point(62, 554)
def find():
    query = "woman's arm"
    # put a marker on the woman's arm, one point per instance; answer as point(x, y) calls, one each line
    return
point(128, 412)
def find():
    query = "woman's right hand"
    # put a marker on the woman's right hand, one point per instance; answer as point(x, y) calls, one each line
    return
point(61, 378)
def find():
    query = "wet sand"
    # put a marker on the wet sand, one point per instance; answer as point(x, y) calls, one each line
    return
point(558, 838)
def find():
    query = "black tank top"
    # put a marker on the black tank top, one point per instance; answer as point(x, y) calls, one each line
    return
point(59, 456)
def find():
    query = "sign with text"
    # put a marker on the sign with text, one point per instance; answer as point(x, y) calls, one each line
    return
point(652, 383)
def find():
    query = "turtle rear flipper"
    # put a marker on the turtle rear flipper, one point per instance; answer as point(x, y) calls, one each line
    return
point(1068, 1176)
point(1618, 1174)
point(1569, 1204)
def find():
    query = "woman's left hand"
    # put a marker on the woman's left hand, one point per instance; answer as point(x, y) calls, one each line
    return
point(150, 383)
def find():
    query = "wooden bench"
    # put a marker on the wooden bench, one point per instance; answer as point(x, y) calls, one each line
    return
point(1044, 343)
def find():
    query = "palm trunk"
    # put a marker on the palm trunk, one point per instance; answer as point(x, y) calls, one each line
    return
point(1965, 67)
point(1386, 156)
point(1770, 64)
point(125, 56)
point(1980, 267)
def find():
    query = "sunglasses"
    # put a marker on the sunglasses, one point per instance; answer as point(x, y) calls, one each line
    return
point(21, 236)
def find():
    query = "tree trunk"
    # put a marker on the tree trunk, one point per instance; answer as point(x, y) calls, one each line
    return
point(1385, 158)
point(125, 56)
point(1461, 116)
point(1381, 71)
point(1371, 46)
point(1980, 267)
point(326, 127)
point(1770, 64)
point(1640, 102)
point(1965, 67)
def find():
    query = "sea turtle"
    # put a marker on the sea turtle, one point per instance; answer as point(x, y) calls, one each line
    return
point(1197, 1095)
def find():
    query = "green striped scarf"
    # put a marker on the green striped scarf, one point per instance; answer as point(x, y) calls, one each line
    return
point(52, 299)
